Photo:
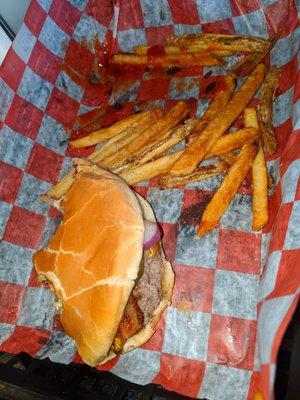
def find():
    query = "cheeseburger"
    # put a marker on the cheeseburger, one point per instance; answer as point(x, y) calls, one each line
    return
point(106, 265)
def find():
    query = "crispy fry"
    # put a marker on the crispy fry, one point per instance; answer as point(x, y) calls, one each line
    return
point(59, 189)
point(265, 109)
point(142, 50)
point(249, 61)
point(215, 41)
point(228, 158)
point(260, 208)
point(155, 131)
point(150, 169)
point(214, 107)
point(113, 144)
point(126, 137)
point(167, 60)
point(107, 132)
point(228, 188)
point(171, 181)
point(233, 141)
point(157, 148)
point(196, 151)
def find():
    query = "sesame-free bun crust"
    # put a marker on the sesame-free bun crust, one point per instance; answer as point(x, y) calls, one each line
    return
point(93, 258)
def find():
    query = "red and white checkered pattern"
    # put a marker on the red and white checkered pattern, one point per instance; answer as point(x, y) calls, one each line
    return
point(211, 342)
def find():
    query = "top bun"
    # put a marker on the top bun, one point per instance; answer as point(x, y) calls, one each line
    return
point(93, 258)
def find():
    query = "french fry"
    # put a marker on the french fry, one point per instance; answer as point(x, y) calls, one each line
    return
point(149, 170)
point(233, 141)
point(215, 106)
point(156, 149)
point(154, 131)
point(167, 60)
point(248, 62)
point(201, 173)
point(115, 144)
point(228, 188)
point(112, 145)
point(228, 158)
point(106, 133)
point(260, 208)
point(215, 41)
point(59, 189)
point(142, 50)
point(265, 108)
point(196, 151)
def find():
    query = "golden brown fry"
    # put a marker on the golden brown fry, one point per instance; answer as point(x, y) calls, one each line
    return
point(215, 41)
point(171, 181)
point(233, 141)
point(129, 135)
point(150, 169)
point(155, 131)
point(260, 208)
point(265, 111)
point(157, 148)
point(112, 145)
point(196, 151)
point(142, 50)
point(215, 106)
point(107, 132)
point(228, 158)
point(249, 61)
point(59, 189)
point(228, 188)
point(167, 60)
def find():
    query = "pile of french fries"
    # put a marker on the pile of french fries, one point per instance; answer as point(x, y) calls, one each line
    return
point(140, 147)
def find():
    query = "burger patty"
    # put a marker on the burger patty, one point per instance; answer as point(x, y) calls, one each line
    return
point(144, 299)
point(148, 291)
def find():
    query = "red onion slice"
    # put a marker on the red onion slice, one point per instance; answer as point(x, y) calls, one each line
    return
point(151, 235)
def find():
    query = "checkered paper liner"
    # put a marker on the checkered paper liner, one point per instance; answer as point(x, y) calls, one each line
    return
point(235, 290)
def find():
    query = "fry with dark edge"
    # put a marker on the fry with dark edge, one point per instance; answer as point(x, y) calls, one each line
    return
point(265, 111)
point(196, 151)
point(107, 132)
point(228, 158)
point(113, 144)
point(167, 60)
point(154, 132)
point(260, 208)
point(232, 141)
point(215, 41)
point(228, 188)
point(249, 61)
point(201, 173)
point(215, 106)
point(142, 50)
point(157, 148)
point(150, 169)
